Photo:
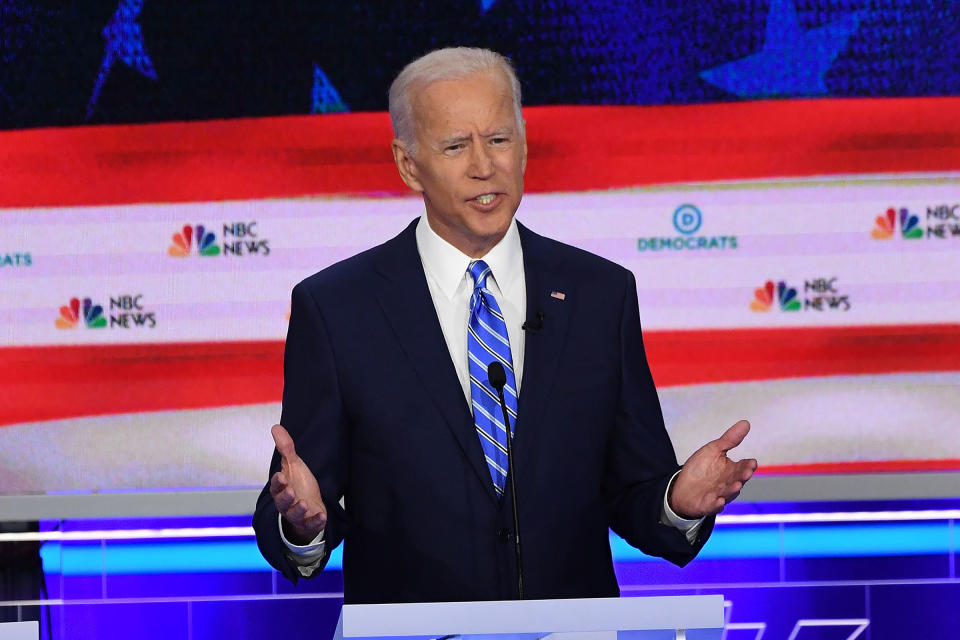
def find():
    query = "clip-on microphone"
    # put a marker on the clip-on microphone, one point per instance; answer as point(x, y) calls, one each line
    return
point(534, 326)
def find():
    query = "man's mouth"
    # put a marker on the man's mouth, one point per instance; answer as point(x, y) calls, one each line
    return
point(486, 198)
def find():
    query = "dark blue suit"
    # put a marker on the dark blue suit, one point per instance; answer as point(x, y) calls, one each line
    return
point(376, 410)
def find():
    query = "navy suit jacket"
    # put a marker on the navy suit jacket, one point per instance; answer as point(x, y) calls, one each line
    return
point(375, 407)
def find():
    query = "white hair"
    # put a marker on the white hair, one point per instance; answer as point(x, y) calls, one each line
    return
point(452, 63)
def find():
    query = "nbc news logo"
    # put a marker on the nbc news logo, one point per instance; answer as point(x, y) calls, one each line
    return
point(125, 312)
point(239, 239)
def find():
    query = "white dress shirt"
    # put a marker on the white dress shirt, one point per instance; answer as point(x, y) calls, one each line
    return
point(451, 286)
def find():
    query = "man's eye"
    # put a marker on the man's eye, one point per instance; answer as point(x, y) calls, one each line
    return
point(500, 140)
point(455, 147)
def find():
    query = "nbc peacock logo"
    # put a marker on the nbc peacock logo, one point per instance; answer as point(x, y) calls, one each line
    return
point(786, 297)
point(885, 225)
point(92, 316)
point(190, 240)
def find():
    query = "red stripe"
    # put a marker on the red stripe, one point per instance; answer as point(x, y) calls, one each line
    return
point(728, 355)
point(47, 383)
point(875, 466)
point(571, 149)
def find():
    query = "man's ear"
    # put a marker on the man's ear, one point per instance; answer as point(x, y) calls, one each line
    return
point(523, 162)
point(406, 165)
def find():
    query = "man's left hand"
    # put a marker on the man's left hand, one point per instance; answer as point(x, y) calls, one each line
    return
point(709, 479)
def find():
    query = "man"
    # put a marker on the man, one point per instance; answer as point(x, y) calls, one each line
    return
point(388, 453)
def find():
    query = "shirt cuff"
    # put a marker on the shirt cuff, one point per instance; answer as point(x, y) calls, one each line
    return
point(306, 558)
point(690, 528)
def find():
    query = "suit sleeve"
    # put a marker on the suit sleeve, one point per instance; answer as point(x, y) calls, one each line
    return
point(313, 414)
point(640, 456)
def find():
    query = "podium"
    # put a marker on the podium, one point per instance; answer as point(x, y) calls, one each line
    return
point(19, 630)
point(651, 618)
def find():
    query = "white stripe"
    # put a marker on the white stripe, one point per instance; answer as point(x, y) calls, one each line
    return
point(490, 439)
point(483, 367)
point(490, 307)
point(494, 332)
point(483, 388)
point(499, 424)
point(841, 516)
point(130, 534)
point(495, 465)
point(236, 532)
point(480, 363)
point(491, 351)
point(480, 278)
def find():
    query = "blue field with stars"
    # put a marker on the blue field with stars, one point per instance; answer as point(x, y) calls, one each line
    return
point(125, 61)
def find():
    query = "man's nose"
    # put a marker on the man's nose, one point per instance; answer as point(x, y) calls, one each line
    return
point(481, 162)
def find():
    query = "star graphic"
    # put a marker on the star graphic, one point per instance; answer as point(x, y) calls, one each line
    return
point(325, 98)
point(20, 30)
point(792, 62)
point(125, 43)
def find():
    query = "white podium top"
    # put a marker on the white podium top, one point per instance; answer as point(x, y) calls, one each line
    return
point(19, 630)
point(535, 617)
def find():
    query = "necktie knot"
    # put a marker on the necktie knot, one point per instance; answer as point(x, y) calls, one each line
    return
point(479, 271)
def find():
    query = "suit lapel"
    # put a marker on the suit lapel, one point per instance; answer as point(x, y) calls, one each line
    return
point(405, 300)
point(549, 292)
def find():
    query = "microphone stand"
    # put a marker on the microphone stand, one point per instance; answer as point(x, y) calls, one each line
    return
point(497, 378)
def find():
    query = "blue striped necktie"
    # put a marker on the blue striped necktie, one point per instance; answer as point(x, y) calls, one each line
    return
point(487, 340)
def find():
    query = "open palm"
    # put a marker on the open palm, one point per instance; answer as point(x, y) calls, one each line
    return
point(295, 491)
point(709, 479)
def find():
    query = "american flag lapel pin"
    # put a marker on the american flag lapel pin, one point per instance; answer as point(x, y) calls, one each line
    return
point(559, 295)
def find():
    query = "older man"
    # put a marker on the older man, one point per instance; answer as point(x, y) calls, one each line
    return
point(396, 446)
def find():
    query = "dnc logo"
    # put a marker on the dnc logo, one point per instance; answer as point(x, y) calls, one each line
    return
point(786, 297)
point(194, 240)
point(886, 224)
point(93, 316)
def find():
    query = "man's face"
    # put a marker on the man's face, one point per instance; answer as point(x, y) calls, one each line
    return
point(470, 159)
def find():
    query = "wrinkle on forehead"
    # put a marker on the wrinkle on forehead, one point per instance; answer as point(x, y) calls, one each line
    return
point(445, 117)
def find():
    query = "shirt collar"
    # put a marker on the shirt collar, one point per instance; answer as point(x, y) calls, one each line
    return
point(447, 265)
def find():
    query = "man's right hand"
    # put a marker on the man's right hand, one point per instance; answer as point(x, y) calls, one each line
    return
point(295, 493)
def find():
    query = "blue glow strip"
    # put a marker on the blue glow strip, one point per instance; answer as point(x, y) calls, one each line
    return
point(894, 539)
point(726, 543)
point(748, 542)
point(219, 556)
point(50, 555)
point(813, 541)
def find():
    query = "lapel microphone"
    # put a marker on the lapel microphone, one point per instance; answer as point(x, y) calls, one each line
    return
point(533, 326)
point(497, 378)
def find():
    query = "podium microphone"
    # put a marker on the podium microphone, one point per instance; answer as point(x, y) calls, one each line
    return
point(497, 378)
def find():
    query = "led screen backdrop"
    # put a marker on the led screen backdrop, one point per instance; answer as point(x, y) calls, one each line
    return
point(798, 260)
point(110, 61)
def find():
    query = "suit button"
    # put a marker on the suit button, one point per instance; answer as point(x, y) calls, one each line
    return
point(504, 535)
